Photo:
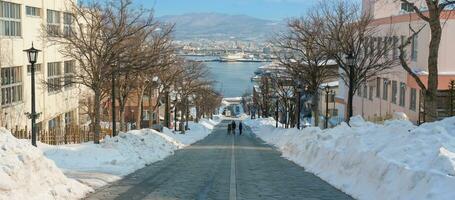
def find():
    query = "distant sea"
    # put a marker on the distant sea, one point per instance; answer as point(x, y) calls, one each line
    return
point(233, 78)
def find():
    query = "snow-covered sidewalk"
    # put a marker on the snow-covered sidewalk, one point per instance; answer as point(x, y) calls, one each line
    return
point(396, 160)
point(52, 170)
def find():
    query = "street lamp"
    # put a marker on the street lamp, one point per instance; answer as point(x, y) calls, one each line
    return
point(114, 123)
point(32, 55)
point(275, 97)
point(349, 59)
point(298, 99)
point(327, 92)
point(132, 119)
point(350, 62)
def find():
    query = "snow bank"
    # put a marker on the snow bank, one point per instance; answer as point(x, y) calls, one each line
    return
point(97, 165)
point(26, 174)
point(396, 160)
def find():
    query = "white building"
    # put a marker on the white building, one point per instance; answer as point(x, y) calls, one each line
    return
point(395, 90)
point(21, 23)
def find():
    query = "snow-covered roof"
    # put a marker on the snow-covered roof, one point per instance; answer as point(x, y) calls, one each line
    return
point(330, 84)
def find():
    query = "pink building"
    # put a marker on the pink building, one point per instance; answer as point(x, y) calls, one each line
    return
point(395, 90)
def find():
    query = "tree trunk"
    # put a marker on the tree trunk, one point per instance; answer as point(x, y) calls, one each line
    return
point(315, 108)
point(122, 118)
point(187, 108)
point(139, 107)
point(349, 106)
point(167, 114)
point(197, 113)
point(97, 111)
point(151, 109)
point(431, 103)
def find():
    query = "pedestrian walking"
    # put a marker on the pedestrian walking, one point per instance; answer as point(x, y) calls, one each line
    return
point(240, 128)
point(233, 127)
point(229, 128)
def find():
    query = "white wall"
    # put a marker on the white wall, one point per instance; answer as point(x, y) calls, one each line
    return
point(49, 105)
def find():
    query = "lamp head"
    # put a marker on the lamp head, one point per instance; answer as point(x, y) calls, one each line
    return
point(32, 54)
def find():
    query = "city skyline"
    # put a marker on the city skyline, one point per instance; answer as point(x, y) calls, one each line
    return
point(264, 9)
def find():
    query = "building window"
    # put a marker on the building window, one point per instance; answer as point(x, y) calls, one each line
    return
point(53, 22)
point(54, 76)
point(146, 115)
point(414, 47)
point(69, 73)
point(331, 98)
point(402, 93)
point(10, 19)
point(372, 43)
point(371, 93)
point(333, 112)
point(378, 87)
point(11, 87)
point(387, 42)
point(406, 7)
point(154, 116)
point(32, 11)
point(69, 118)
point(67, 24)
point(413, 100)
point(395, 47)
point(365, 91)
point(394, 92)
point(54, 123)
point(379, 44)
point(37, 68)
point(385, 89)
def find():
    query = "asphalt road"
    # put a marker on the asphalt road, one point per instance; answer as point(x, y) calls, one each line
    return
point(222, 166)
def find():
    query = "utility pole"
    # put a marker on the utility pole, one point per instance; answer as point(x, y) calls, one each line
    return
point(32, 54)
point(276, 124)
point(298, 108)
point(451, 97)
point(114, 131)
point(167, 114)
point(326, 109)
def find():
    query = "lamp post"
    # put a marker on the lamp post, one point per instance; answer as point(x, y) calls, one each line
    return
point(327, 92)
point(350, 63)
point(298, 103)
point(276, 114)
point(32, 55)
point(132, 119)
point(114, 132)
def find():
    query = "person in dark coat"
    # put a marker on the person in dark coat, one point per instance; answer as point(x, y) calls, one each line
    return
point(240, 127)
point(233, 126)
point(229, 128)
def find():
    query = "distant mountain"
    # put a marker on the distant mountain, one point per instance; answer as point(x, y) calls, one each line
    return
point(222, 26)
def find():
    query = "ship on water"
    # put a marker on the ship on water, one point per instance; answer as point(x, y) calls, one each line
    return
point(240, 57)
point(232, 57)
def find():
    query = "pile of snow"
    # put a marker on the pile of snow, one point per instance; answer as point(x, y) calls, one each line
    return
point(26, 174)
point(97, 165)
point(396, 160)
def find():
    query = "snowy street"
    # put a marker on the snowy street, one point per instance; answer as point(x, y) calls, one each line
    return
point(222, 166)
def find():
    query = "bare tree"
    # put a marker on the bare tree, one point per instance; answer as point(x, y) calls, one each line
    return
point(432, 14)
point(348, 33)
point(206, 100)
point(97, 39)
point(195, 77)
point(164, 80)
point(284, 89)
point(304, 59)
point(125, 86)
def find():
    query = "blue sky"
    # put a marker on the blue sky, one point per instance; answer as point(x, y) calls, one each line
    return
point(265, 9)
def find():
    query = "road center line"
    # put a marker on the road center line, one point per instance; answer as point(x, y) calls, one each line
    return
point(233, 185)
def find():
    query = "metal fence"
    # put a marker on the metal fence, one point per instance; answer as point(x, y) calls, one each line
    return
point(57, 136)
